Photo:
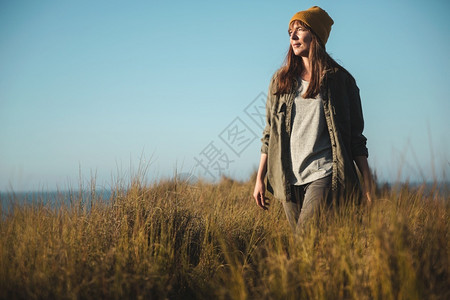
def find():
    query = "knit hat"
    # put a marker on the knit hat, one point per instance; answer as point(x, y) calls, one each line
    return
point(318, 20)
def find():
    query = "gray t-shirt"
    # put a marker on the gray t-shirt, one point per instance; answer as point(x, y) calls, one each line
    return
point(310, 144)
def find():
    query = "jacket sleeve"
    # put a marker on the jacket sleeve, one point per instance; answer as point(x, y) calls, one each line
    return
point(358, 140)
point(266, 131)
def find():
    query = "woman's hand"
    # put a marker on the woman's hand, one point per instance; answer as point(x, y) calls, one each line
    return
point(367, 196)
point(258, 193)
point(260, 187)
point(363, 166)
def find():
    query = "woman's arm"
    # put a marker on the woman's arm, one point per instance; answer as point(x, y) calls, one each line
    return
point(260, 187)
point(358, 140)
point(363, 166)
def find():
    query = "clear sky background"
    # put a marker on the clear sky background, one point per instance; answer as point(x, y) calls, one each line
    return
point(95, 88)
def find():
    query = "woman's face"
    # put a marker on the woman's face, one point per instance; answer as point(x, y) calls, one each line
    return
point(300, 39)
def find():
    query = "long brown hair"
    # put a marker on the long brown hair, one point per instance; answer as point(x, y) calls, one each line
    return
point(289, 73)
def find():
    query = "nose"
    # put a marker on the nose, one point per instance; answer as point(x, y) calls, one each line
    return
point(293, 36)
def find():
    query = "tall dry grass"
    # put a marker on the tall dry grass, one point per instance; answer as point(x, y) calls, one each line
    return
point(181, 241)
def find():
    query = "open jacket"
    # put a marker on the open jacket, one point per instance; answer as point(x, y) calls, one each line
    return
point(344, 119)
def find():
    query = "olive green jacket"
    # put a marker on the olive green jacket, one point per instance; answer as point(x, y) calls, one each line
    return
point(344, 118)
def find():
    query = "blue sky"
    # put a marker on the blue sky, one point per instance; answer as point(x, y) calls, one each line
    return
point(96, 88)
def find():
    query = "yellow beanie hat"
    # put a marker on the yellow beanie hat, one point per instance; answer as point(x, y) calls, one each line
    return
point(318, 20)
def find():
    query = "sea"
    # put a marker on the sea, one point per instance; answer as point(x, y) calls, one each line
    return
point(53, 199)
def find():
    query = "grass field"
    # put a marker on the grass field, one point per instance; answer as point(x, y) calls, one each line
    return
point(175, 240)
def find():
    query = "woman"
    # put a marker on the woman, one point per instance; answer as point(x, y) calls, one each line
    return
point(314, 126)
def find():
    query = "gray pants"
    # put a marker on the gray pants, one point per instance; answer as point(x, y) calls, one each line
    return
point(306, 200)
